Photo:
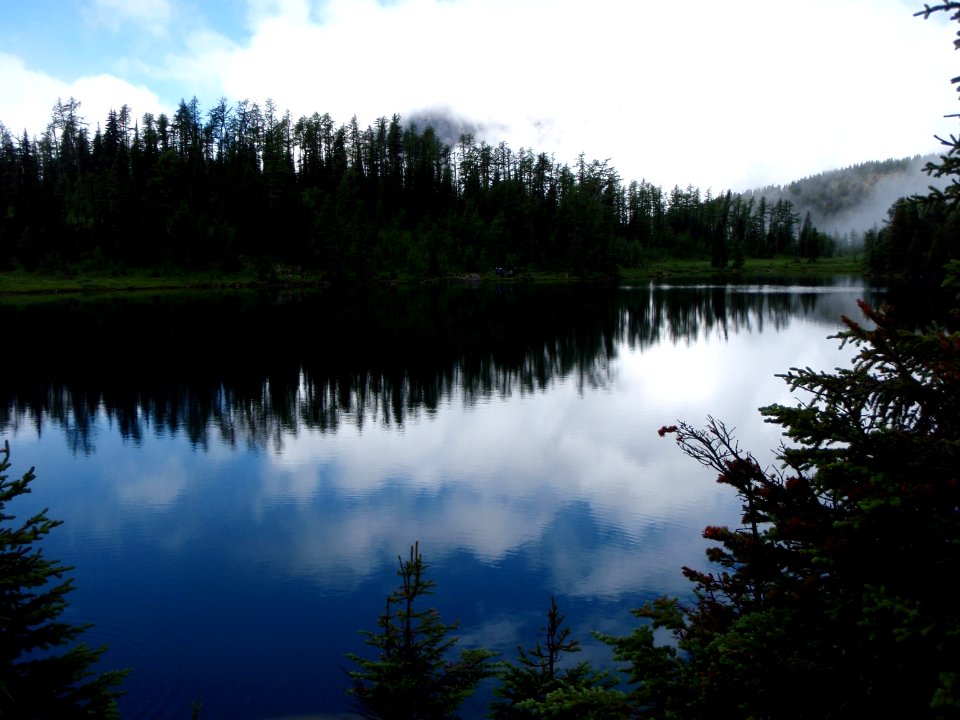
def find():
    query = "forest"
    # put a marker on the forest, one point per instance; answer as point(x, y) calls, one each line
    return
point(240, 186)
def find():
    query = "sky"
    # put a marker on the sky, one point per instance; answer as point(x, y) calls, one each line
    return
point(732, 94)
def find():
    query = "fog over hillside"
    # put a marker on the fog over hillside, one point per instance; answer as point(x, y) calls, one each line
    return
point(850, 201)
point(843, 203)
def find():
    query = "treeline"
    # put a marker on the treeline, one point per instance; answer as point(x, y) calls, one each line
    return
point(918, 239)
point(242, 186)
point(832, 192)
point(875, 208)
point(835, 198)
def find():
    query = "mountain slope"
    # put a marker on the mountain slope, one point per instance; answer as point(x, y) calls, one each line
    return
point(851, 200)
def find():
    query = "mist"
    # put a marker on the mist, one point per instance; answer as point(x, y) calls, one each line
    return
point(447, 125)
point(850, 201)
point(873, 211)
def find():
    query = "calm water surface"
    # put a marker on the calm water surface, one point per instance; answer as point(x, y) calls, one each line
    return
point(238, 472)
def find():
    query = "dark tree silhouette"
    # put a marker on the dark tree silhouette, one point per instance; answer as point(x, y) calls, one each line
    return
point(44, 672)
point(413, 676)
point(828, 600)
point(245, 187)
point(541, 685)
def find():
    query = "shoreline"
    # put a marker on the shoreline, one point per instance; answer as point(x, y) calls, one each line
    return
point(19, 283)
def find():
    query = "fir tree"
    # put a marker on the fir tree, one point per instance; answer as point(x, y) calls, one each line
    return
point(41, 676)
point(828, 599)
point(949, 164)
point(540, 686)
point(412, 676)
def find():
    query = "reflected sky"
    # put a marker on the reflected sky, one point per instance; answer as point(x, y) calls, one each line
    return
point(239, 572)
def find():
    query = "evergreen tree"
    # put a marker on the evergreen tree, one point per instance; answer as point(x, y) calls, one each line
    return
point(540, 686)
point(412, 676)
point(207, 192)
point(827, 601)
point(949, 163)
point(808, 245)
point(719, 252)
point(40, 675)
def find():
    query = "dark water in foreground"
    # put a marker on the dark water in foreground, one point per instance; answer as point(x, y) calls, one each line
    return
point(239, 472)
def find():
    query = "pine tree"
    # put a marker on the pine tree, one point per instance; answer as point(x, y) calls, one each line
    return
point(40, 675)
point(412, 676)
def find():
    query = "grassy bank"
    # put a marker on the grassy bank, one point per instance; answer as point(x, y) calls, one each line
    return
point(779, 266)
point(20, 282)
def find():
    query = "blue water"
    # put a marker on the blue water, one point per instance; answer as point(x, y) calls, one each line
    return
point(233, 560)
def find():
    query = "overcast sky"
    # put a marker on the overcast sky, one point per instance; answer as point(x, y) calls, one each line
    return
point(719, 94)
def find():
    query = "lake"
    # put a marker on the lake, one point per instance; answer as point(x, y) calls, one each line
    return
point(239, 471)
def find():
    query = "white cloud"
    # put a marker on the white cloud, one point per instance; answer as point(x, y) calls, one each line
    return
point(101, 93)
point(157, 489)
point(29, 96)
point(720, 95)
point(716, 94)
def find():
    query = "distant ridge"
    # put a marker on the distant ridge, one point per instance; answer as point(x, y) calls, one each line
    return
point(849, 201)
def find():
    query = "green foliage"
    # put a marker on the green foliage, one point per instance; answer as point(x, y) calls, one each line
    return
point(948, 165)
point(919, 237)
point(922, 233)
point(245, 187)
point(539, 685)
point(577, 700)
point(40, 676)
point(809, 243)
point(412, 675)
point(828, 600)
point(832, 197)
point(661, 679)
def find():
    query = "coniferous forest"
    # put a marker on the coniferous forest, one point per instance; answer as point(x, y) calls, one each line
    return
point(243, 186)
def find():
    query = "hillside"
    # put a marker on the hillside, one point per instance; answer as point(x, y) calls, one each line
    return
point(849, 201)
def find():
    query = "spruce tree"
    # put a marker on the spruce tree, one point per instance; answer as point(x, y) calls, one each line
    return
point(413, 676)
point(949, 165)
point(540, 685)
point(828, 600)
point(44, 672)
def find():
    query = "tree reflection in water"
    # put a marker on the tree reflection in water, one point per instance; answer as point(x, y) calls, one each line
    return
point(249, 366)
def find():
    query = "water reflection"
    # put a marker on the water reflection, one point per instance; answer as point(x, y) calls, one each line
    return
point(248, 368)
point(240, 470)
